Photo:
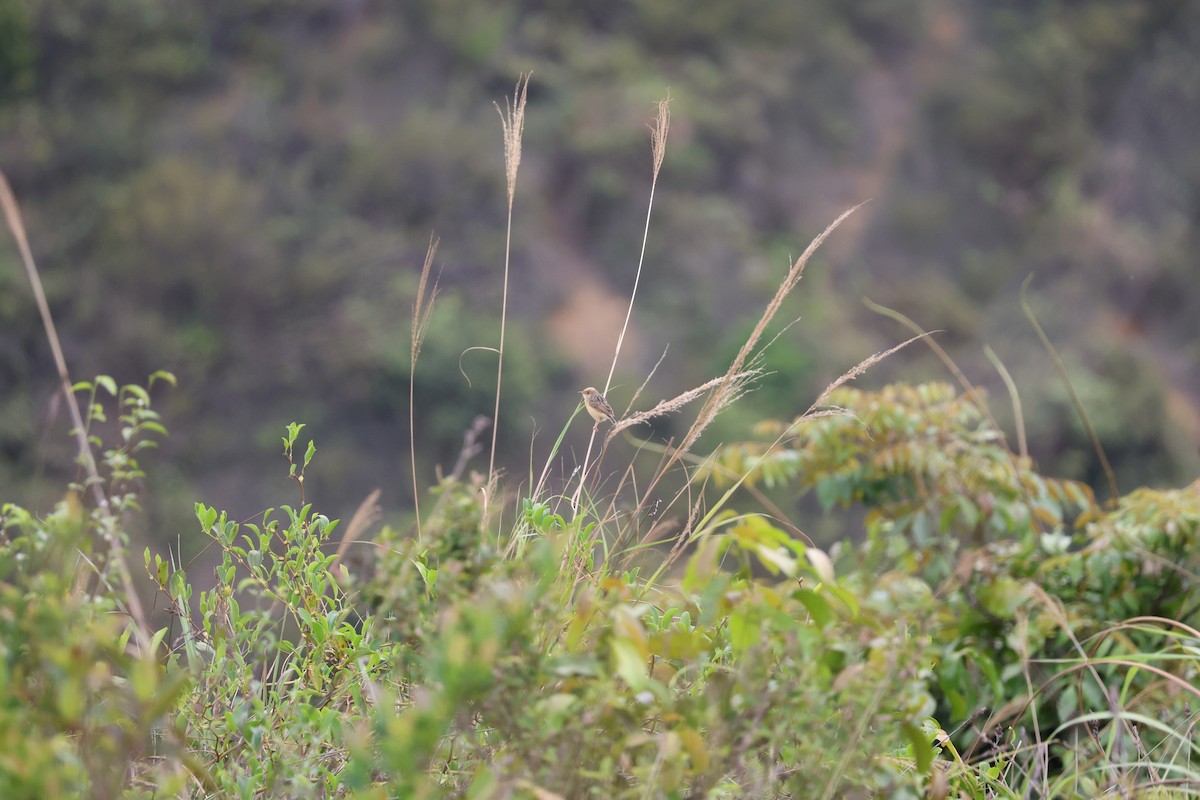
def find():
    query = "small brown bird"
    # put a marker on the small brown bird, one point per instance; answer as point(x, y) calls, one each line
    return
point(597, 407)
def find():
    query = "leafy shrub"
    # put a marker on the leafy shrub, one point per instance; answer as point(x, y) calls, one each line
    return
point(1037, 612)
point(83, 711)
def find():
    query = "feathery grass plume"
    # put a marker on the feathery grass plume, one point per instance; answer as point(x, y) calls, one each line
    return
point(12, 215)
point(512, 123)
point(658, 132)
point(724, 394)
point(741, 381)
point(859, 369)
point(727, 389)
point(422, 311)
point(658, 151)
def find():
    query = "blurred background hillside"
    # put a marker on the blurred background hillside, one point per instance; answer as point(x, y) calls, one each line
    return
point(242, 191)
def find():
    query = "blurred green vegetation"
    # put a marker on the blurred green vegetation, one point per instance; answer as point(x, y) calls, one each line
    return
point(242, 192)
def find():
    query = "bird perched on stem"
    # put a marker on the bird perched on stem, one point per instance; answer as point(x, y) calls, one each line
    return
point(597, 407)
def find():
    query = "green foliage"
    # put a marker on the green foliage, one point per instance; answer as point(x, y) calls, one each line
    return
point(610, 695)
point(83, 712)
point(931, 469)
point(1035, 614)
point(466, 664)
point(278, 657)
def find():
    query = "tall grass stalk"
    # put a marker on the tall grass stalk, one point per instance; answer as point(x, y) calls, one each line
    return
point(658, 147)
point(512, 123)
point(12, 215)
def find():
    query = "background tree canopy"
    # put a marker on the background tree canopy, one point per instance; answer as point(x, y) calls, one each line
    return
point(242, 193)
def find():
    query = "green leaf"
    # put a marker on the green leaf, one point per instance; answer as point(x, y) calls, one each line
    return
point(845, 595)
point(629, 664)
point(140, 395)
point(818, 606)
point(920, 746)
point(743, 632)
point(293, 430)
point(485, 784)
point(1003, 596)
point(154, 427)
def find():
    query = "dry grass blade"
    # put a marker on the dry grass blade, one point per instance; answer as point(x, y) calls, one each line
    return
point(12, 214)
point(422, 311)
point(658, 146)
point(970, 391)
point(470, 446)
point(1061, 368)
point(638, 392)
point(1011, 386)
